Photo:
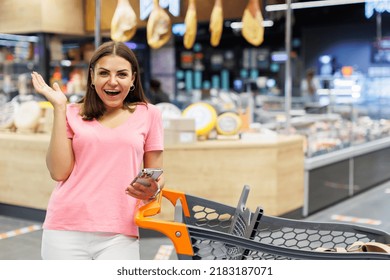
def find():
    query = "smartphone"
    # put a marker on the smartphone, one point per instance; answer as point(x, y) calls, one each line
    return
point(153, 173)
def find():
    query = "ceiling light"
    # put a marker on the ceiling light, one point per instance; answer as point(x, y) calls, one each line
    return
point(238, 24)
point(313, 4)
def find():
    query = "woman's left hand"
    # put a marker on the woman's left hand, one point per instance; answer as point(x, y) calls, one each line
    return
point(53, 94)
point(143, 189)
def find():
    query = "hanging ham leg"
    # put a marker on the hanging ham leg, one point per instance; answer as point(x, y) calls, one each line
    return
point(216, 23)
point(191, 23)
point(124, 22)
point(252, 23)
point(158, 28)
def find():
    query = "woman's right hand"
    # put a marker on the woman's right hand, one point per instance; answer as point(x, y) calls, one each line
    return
point(53, 94)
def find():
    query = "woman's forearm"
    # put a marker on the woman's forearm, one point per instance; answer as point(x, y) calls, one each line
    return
point(59, 157)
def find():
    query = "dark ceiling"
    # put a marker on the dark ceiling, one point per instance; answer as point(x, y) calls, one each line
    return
point(350, 14)
point(332, 16)
point(342, 14)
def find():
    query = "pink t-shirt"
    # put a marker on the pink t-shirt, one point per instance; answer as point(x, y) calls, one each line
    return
point(93, 198)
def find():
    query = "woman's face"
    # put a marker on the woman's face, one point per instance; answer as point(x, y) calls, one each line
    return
point(112, 77)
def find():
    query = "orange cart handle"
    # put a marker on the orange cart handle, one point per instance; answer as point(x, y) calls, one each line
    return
point(175, 231)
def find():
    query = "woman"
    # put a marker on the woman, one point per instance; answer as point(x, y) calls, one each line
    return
point(97, 147)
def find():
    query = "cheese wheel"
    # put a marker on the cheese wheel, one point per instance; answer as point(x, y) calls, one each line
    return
point(7, 114)
point(228, 123)
point(28, 115)
point(205, 117)
point(168, 110)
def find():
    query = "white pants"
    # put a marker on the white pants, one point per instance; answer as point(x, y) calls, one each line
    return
point(76, 245)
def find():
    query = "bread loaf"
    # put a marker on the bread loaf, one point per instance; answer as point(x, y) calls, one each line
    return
point(216, 23)
point(191, 23)
point(252, 23)
point(158, 28)
point(124, 22)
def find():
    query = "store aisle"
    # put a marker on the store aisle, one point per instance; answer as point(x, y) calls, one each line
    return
point(21, 239)
point(370, 208)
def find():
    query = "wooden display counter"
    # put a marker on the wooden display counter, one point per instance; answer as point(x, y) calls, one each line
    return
point(215, 170)
point(218, 170)
point(24, 178)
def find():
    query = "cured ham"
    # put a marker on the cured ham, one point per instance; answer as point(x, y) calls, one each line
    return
point(216, 23)
point(159, 27)
point(124, 22)
point(191, 23)
point(252, 23)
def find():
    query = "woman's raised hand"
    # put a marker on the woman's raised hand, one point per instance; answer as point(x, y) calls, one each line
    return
point(53, 94)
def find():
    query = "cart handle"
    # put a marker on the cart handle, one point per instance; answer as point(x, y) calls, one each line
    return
point(175, 231)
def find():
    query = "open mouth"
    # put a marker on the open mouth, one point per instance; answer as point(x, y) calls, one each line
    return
point(112, 92)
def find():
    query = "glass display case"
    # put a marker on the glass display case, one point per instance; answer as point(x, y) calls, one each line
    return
point(58, 60)
point(351, 111)
point(18, 57)
point(346, 133)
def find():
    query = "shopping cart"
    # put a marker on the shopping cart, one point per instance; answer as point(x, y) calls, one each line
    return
point(206, 230)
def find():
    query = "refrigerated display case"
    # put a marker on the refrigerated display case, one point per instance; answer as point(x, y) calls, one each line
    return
point(347, 142)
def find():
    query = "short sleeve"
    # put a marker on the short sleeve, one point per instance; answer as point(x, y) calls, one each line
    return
point(70, 111)
point(69, 131)
point(155, 137)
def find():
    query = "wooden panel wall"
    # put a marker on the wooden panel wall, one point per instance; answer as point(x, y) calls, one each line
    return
point(50, 16)
point(20, 16)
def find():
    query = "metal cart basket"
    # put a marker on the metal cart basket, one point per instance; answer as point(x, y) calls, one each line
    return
point(207, 230)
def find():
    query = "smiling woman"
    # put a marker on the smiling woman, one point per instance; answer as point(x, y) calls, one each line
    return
point(97, 147)
point(112, 81)
point(112, 68)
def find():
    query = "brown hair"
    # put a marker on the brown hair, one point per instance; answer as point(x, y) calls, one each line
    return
point(92, 106)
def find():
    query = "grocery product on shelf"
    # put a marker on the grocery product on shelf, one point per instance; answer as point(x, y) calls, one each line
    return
point(205, 117)
point(28, 116)
point(228, 123)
